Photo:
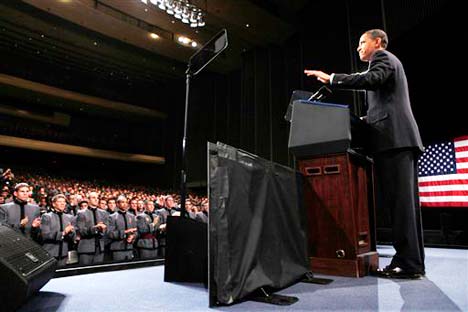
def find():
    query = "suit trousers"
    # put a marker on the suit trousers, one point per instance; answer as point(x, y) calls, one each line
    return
point(397, 199)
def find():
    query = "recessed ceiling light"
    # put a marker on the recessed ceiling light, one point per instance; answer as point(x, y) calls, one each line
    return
point(154, 36)
point(187, 41)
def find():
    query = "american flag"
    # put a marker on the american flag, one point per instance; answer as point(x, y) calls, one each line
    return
point(443, 174)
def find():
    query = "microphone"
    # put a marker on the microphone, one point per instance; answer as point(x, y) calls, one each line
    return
point(321, 94)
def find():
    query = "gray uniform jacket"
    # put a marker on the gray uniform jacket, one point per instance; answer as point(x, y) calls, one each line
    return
point(54, 243)
point(163, 213)
point(90, 237)
point(389, 111)
point(201, 216)
point(10, 214)
point(117, 230)
point(147, 230)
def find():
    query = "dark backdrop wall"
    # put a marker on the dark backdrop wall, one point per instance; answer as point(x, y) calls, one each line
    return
point(245, 109)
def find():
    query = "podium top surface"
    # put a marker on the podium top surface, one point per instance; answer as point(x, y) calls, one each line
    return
point(321, 103)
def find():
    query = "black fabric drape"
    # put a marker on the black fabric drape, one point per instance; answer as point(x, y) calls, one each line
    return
point(257, 225)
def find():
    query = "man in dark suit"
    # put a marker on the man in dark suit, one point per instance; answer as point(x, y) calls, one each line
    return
point(396, 145)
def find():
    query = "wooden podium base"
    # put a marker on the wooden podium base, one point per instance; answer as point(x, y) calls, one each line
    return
point(359, 267)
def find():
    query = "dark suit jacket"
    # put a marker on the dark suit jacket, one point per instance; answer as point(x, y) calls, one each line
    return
point(389, 111)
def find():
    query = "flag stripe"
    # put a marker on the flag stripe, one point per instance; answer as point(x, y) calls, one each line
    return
point(445, 194)
point(462, 165)
point(461, 141)
point(448, 182)
point(449, 204)
point(453, 198)
point(445, 177)
point(443, 188)
point(462, 160)
point(461, 154)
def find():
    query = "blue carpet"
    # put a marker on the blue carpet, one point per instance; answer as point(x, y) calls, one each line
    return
point(445, 288)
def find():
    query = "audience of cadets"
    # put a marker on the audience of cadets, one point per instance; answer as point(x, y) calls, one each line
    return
point(148, 226)
point(90, 236)
point(92, 224)
point(20, 215)
point(57, 231)
point(123, 231)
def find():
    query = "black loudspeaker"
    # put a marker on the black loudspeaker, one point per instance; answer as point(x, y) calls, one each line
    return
point(186, 257)
point(24, 268)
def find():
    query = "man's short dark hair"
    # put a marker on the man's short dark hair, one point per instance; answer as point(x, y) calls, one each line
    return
point(379, 33)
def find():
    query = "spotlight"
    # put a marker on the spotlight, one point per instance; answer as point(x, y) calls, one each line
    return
point(182, 10)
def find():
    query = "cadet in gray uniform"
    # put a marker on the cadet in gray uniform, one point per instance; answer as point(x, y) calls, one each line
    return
point(92, 225)
point(57, 230)
point(163, 213)
point(147, 224)
point(122, 232)
point(20, 215)
point(202, 215)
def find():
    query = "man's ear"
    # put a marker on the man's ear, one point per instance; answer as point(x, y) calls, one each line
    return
point(378, 42)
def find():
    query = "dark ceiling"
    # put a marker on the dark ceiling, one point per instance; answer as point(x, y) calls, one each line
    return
point(108, 40)
point(112, 36)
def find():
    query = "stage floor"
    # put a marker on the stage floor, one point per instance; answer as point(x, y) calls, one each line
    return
point(445, 288)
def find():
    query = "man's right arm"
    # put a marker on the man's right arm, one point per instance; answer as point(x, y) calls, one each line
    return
point(379, 71)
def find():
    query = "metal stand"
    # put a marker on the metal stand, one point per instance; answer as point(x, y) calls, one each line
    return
point(183, 172)
point(309, 278)
point(262, 296)
point(197, 62)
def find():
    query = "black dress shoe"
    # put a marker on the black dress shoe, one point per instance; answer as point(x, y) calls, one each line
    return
point(396, 272)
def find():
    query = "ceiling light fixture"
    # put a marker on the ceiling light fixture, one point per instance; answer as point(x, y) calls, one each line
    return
point(187, 41)
point(182, 10)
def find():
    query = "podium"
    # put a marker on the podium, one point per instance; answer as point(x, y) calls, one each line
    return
point(329, 146)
